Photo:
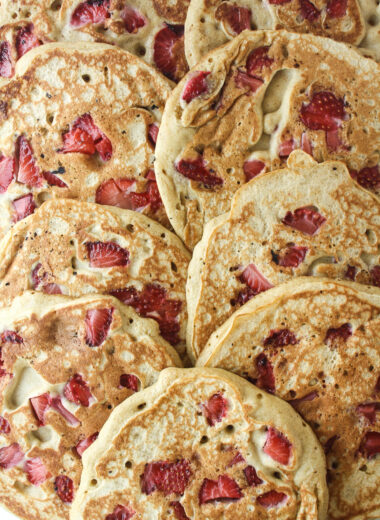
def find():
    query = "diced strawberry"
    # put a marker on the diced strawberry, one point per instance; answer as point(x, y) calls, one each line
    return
point(168, 43)
point(107, 254)
point(258, 60)
point(26, 40)
point(195, 85)
point(279, 2)
point(7, 172)
point(368, 177)
point(133, 19)
point(255, 281)
point(306, 220)
point(237, 18)
point(89, 12)
point(101, 142)
point(37, 280)
point(306, 144)
point(36, 471)
point(51, 288)
point(28, 170)
point(121, 513)
point(54, 180)
point(333, 140)
point(153, 194)
point(308, 397)
point(238, 458)
point(370, 445)
point(351, 272)
point(368, 410)
point(215, 409)
point(308, 11)
point(82, 446)
point(329, 444)
point(375, 275)
point(324, 112)
point(77, 141)
point(97, 323)
point(272, 499)
point(10, 456)
point(153, 133)
point(5, 427)
point(130, 381)
point(286, 147)
point(293, 256)
point(252, 478)
point(168, 477)
point(195, 170)
point(6, 67)
point(64, 487)
point(245, 81)
point(3, 372)
point(23, 207)
point(377, 386)
point(179, 511)
point(252, 168)
point(40, 405)
point(341, 333)
point(266, 379)
point(336, 8)
point(280, 338)
point(223, 489)
point(10, 336)
point(77, 391)
point(277, 446)
point(57, 405)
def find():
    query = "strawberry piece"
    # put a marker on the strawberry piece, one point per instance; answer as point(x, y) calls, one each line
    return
point(272, 499)
point(23, 207)
point(57, 405)
point(336, 8)
point(77, 391)
point(10, 336)
point(324, 112)
point(329, 444)
point(252, 478)
point(377, 386)
point(168, 477)
point(368, 177)
point(51, 288)
point(252, 168)
point(215, 409)
point(26, 40)
point(375, 275)
point(152, 192)
point(3, 372)
point(89, 12)
point(256, 283)
point(101, 142)
point(82, 446)
point(342, 333)
point(64, 488)
point(258, 60)
point(54, 180)
point(238, 458)
point(6, 67)
point(279, 2)
point(7, 172)
point(121, 513)
point(10, 456)
point(37, 280)
point(130, 381)
point(277, 446)
point(237, 18)
point(223, 489)
point(36, 471)
point(195, 86)
point(308, 397)
point(5, 427)
point(306, 144)
point(168, 42)
point(306, 220)
point(153, 133)
point(107, 254)
point(370, 445)
point(368, 410)
point(116, 192)
point(266, 379)
point(152, 302)
point(195, 170)
point(77, 141)
point(28, 171)
point(133, 19)
point(179, 511)
point(286, 147)
point(40, 405)
point(351, 272)
point(293, 256)
point(308, 11)
point(244, 81)
point(280, 338)
point(97, 324)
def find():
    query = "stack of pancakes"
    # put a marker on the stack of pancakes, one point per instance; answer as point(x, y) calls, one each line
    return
point(190, 259)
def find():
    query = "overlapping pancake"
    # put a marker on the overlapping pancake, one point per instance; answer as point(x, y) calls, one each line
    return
point(80, 121)
point(248, 104)
point(315, 343)
point(150, 29)
point(211, 23)
point(203, 443)
point(65, 364)
point(76, 248)
point(308, 219)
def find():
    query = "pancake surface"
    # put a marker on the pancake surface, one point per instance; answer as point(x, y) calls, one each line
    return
point(65, 364)
point(76, 248)
point(248, 104)
point(76, 121)
point(315, 343)
point(200, 444)
point(307, 219)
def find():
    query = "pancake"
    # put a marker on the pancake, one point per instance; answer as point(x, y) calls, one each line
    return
point(77, 248)
point(151, 29)
point(65, 364)
point(211, 23)
point(309, 219)
point(203, 444)
point(80, 121)
point(315, 343)
point(248, 104)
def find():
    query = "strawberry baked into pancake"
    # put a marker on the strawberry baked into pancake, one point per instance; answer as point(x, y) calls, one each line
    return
point(315, 343)
point(203, 444)
point(65, 364)
point(242, 110)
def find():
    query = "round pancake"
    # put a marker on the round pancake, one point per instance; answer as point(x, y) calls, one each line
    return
point(63, 369)
point(315, 343)
point(211, 23)
point(151, 29)
point(309, 219)
point(76, 248)
point(201, 443)
point(223, 125)
point(76, 121)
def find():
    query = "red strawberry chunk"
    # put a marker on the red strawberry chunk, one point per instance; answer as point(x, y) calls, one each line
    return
point(179, 511)
point(133, 19)
point(90, 12)
point(370, 445)
point(272, 499)
point(368, 410)
point(368, 177)
point(10, 456)
point(252, 478)
point(252, 168)
point(215, 409)
point(37, 280)
point(277, 446)
point(308, 397)
point(258, 60)
point(306, 220)
point(6, 67)
point(324, 112)
point(77, 141)
point(336, 8)
point(57, 405)
point(377, 386)
point(153, 133)
point(36, 471)
point(245, 81)
point(308, 11)
point(26, 40)
point(77, 391)
point(238, 18)
point(121, 513)
point(195, 85)
point(223, 489)
point(375, 275)
point(195, 170)
point(10, 336)
point(266, 379)
point(280, 338)
point(236, 460)
point(82, 446)
point(64, 487)
point(168, 477)
point(286, 148)
point(97, 324)
point(101, 142)
point(51, 288)
point(23, 207)
point(341, 333)
point(40, 405)
point(130, 381)
point(54, 180)
point(279, 2)
point(306, 144)
point(167, 43)
point(7, 172)
point(5, 427)
point(255, 281)
point(107, 254)
point(293, 256)
point(351, 272)
point(28, 171)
